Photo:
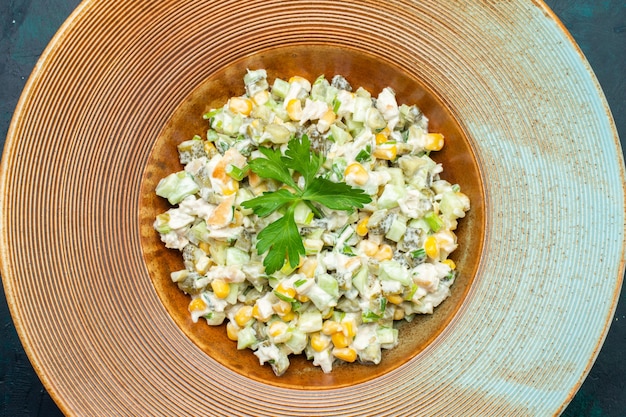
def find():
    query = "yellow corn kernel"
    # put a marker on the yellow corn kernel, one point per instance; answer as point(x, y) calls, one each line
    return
point(286, 291)
point(330, 326)
point(398, 314)
point(277, 328)
point(243, 315)
point(281, 307)
point(347, 354)
point(380, 138)
point(203, 265)
point(395, 299)
point(349, 328)
point(340, 340)
point(328, 314)
point(353, 263)
point(197, 304)
point(231, 331)
point(230, 187)
point(327, 119)
point(450, 263)
point(240, 105)
point(210, 149)
point(431, 247)
point(368, 247)
point(304, 83)
point(206, 248)
point(298, 79)
point(387, 153)
point(294, 109)
point(221, 288)
point(308, 267)
point(261, 97)
point(357, 173)
point(302, 298)
point(384, 253)
point(434, 142)
point(361, 226)
point(318, 341)
point(257, 314)
point(287, 317)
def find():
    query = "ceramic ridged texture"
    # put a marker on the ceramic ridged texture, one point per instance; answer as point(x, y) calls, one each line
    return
point(552, 263)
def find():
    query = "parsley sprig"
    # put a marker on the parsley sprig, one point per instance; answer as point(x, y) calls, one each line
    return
point(281, 239)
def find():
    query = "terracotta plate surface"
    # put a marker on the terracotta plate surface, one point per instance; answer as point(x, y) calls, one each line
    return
point(529, 138)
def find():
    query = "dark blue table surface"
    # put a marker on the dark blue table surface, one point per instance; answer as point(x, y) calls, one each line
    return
point(599, 28)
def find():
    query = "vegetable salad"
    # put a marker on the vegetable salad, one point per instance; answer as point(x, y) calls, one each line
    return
point(310, 218)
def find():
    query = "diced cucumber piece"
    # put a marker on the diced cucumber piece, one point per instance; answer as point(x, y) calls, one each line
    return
point(180, 275)
point(312, 246)
point(419, 224)
point(218, 252)
point(390, 196)
point(280, 363)
point(341, 136)
point(199, 233)
point(320, 298)
point(254, 76)
point(387, 335)
point(354, 127)
point(176, 187)
point(361, 105)
point(280, 88)
point(397, 177)
point(255, 81)
point(215, 318)
point(359, 280)
point(453, 205)
point(310, 321)
point(235, 256)
point(375, 120)
point(329, 284)
point(394, 271)
point(318, 89)
point(246, 338)
point(397, 229)
point(162, 223)
point(297, 342)
point(244, 194)
point(231, 124)
point(371, 353)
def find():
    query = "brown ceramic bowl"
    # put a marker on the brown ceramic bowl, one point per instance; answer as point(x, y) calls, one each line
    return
point(87, 279)
point(310, 61)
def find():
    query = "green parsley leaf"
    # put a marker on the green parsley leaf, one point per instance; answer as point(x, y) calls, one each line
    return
point(281, 240)
point(299, 157)
point(269, 202)
point(272, 166)
point(335, 195)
